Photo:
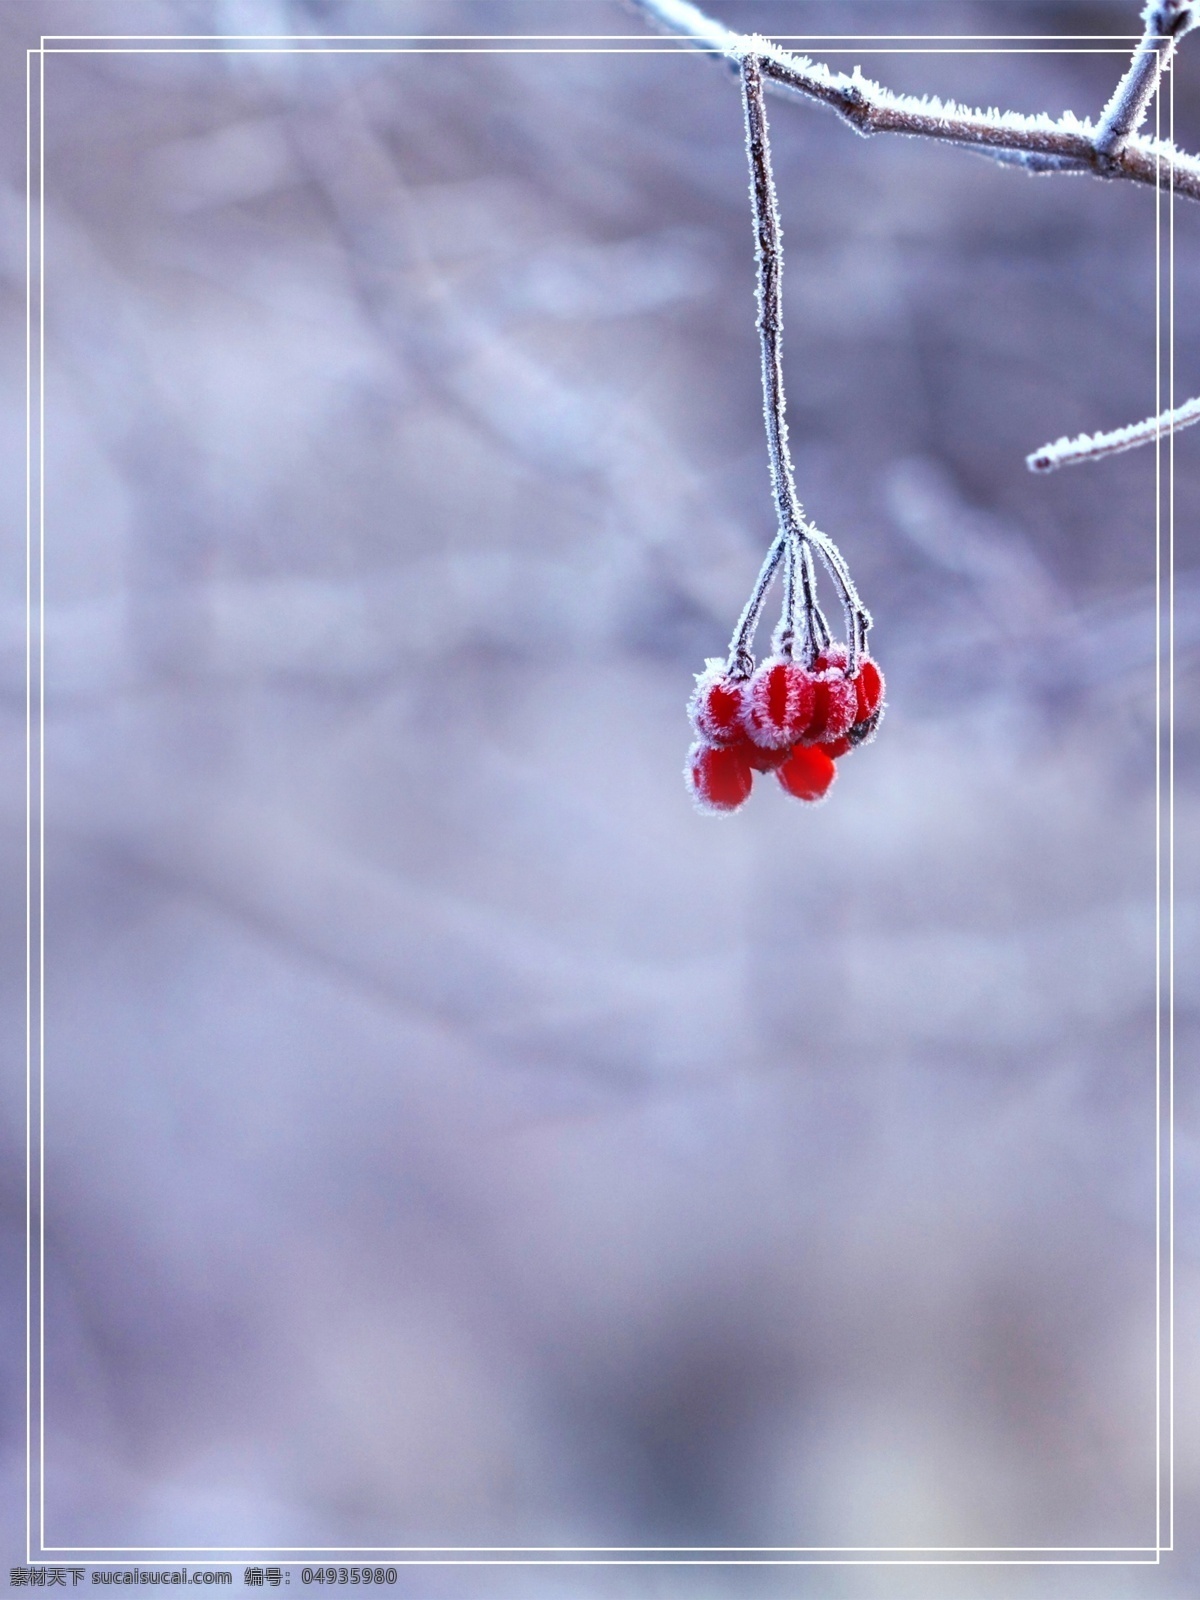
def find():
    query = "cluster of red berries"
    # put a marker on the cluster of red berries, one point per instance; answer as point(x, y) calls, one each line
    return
point(785, 718)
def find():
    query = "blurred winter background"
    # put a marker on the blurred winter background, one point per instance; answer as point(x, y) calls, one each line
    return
point(451, 1138)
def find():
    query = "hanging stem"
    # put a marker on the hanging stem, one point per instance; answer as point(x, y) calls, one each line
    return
point(741, 656)
point(768, 255)
point(858, 618)
point(816, 630)
point(784, 641)
point(793, 525)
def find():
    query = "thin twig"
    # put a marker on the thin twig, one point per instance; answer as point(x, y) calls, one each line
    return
point(1091, 446)
point(816, 629)
point(1165, 22)
point(858, 618)
point(784, 640)
point(741, 655)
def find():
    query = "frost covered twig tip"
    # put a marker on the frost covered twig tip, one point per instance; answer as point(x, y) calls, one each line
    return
point(1066, 452)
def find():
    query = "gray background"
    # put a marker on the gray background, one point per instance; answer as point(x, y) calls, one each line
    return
point(451, 1137)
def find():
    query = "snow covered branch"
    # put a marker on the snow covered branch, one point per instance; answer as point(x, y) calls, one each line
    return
point(1091, 446)
point(1166, 21)
point(1108, 148)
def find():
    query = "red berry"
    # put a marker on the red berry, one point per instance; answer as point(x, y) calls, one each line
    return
point(765, 760)
point(717, 703)
point(779, 703)
point(869, 688)
point(807, 773)
point(718, 776)
point(836, 697)
point(835, 704)
point(835, 749)
point(867, 681)
point(863, 732)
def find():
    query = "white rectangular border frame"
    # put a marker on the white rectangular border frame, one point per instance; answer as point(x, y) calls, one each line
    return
point(38, 1552)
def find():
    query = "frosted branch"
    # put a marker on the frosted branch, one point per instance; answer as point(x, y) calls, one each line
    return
point(1109, 148)
point(1166, 21)
point(1091, 446)
point(1040, 143)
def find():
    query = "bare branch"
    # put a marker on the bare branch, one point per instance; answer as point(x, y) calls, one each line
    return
point(1109, 149)
point(1091, 446)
